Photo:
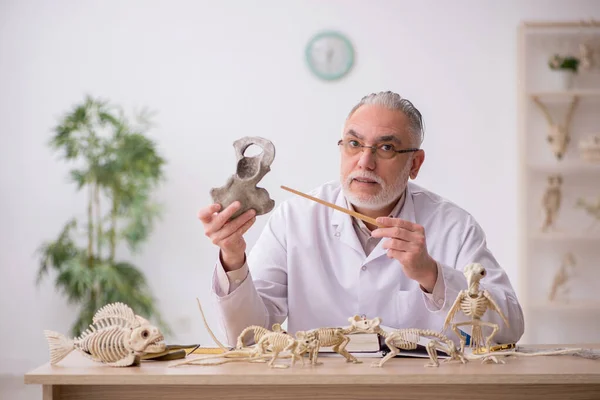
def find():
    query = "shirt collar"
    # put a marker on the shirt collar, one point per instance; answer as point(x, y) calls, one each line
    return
point(393, 214)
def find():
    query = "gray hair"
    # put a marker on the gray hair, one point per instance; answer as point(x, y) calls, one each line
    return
point(394, 101)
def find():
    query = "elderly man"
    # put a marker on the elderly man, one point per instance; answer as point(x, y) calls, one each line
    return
point(316, 266)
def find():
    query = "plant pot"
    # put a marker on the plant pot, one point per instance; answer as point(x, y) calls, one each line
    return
point(564, 79)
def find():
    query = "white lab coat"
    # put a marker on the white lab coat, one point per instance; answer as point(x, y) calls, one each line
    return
point(308, 266)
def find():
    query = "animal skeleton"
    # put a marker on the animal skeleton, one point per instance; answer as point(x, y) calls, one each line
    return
point(259, 332)
point(338, 338)
point(590, 148)
point(562, 276)
point(586, 56)
point(558, 136)
point(277, 342)
point(117, 337)
point(551, 201)
point(408, 339)
point(592, 209)
point(474, 303)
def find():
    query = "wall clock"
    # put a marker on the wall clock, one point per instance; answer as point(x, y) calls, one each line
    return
point(329, 55)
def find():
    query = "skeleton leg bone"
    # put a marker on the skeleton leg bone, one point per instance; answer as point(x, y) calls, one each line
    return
point(459, 334)
point(341, 349)
point(394, 351)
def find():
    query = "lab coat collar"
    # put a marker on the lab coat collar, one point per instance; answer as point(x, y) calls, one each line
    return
point(345, 230)
point(343, 225)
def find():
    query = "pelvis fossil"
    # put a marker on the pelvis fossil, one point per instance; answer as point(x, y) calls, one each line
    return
point(241, 186)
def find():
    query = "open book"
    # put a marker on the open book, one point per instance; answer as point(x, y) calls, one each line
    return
point(373, 345)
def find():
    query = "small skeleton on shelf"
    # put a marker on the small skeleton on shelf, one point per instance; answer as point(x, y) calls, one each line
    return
point(559, 136)
point(591, 208)
point(585, 53)
point(551, 201)
point(474, 303)
point(559, 284)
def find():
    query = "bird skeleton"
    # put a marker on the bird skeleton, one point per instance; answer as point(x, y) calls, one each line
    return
point(474, 303)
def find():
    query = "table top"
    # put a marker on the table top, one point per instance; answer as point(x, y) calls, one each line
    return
point(558, 369)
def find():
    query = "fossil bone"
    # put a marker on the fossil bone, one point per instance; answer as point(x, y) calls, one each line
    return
point(241, 186)
point(558, 135)
point(474, 303)
point(117, 337)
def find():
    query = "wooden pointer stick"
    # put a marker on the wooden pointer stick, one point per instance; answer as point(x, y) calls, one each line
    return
point(344, 210)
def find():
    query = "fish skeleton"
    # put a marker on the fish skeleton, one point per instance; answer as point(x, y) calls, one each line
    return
point(117, 337)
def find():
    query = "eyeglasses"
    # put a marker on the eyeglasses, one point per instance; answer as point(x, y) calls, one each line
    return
point(384, 151)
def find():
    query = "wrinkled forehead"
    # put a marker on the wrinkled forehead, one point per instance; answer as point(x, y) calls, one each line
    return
point(379, 126)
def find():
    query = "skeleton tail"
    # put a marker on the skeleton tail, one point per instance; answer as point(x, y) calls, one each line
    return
point(60, 345)
point(259, 332)
point(443, 338)
point(210, 332)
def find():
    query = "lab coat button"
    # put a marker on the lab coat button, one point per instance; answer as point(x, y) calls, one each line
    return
point(364, 268)
point(337, 234)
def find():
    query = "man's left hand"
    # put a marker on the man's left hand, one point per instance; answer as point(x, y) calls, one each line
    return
point(406, 243)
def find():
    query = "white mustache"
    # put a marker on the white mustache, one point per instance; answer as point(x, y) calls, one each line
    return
point(365, 175)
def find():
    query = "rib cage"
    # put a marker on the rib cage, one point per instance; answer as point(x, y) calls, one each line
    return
point(328, 336)
point(407, 339)
point(259, 332)
point(277, 341)
point(105, 340)
point(474, 307)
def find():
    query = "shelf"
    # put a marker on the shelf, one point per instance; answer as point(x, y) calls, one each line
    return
point(567, 236)
point(566, 167)
point(588, 305)
point(566, 95)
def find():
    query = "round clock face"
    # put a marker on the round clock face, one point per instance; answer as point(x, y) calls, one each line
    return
point(329, 55)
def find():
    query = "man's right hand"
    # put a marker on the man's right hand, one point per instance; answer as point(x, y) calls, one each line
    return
point(228, 235)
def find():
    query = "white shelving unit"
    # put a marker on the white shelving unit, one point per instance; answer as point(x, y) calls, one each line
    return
point(576, 318)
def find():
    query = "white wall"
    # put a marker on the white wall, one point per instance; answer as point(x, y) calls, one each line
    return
point(216, 71)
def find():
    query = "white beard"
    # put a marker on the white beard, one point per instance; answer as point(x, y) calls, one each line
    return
point(386, 196)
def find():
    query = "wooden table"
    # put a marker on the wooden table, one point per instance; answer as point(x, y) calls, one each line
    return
point(543, 377)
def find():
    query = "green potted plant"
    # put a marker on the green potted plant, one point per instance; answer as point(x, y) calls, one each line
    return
point(565, 67)
point(118, 167)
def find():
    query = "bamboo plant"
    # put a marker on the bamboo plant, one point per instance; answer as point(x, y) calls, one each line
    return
point(118, 167)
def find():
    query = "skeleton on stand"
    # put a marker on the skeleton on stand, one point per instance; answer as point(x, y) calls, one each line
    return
point(474, 303)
